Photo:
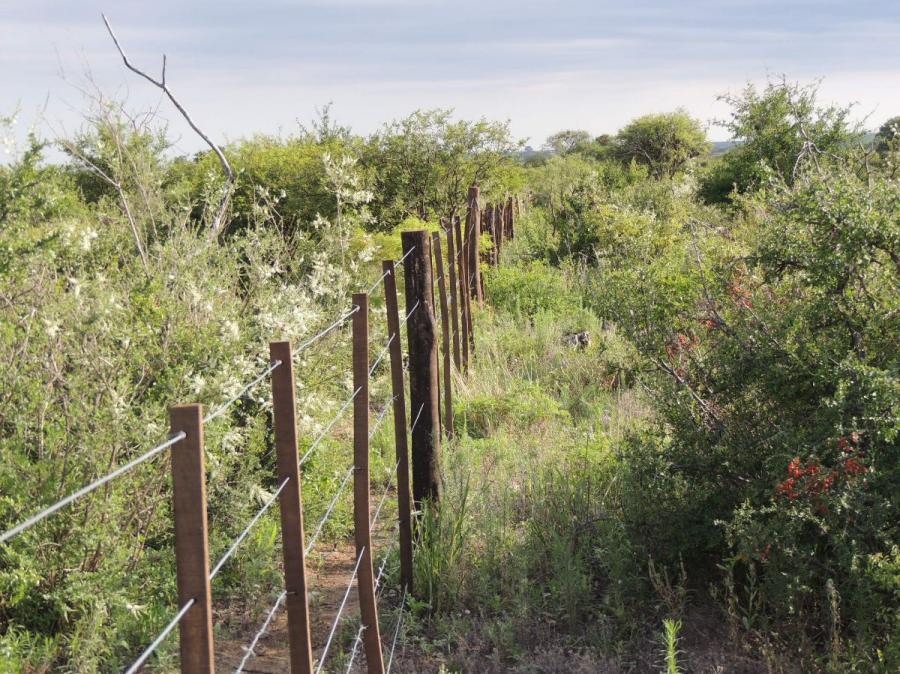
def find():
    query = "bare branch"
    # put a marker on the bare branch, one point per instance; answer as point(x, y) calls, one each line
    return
point(161, 84)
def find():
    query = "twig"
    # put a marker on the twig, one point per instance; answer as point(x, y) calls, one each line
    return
point(161, 84)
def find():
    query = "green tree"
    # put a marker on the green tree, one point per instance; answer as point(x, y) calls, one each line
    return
point(423, 164)
point(887, 140)
point(663, 142)
point(779, 130)
point(570, 140)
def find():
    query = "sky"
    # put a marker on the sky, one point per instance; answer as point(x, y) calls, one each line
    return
point(259, 66)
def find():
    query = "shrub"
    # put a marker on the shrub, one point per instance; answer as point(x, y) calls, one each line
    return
point(529, 290)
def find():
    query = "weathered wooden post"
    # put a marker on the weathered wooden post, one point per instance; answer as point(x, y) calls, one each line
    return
point(284, 406)
point(454, 292)
point(499, 215)
point(365, 581)
point(445, 334)
point(487, 224)
point(464, 304)
point(473, 240)
point(404, 516)
point(423, 367)
point(192, 540)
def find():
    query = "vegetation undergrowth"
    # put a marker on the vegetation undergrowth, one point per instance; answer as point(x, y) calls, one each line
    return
point(676, 446)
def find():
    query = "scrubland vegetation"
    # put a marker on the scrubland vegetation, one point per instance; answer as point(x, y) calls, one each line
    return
point(710, 485)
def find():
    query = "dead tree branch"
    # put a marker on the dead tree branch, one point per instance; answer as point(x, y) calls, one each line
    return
point(161, 84)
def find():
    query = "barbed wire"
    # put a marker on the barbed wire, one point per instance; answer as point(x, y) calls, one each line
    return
point(142, 658)
point(87, 489)
point(220, 410)
point(337, 618)
point(243, 534)
point(359, 633)
point(262, 630)
point(329, 426)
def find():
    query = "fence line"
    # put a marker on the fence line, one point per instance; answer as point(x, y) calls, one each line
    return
point(334, 500)
point(191, 479)
point(315, 338)
point(409, 313)
point(62, 503)
point(221, 409)
point(337, 618)
point(381, 415)
point(246, 531)
point(384, 495)
point(329, 426)
point(396, 632)
point(172, 624)
point(262, 630)
point(362, 628)
point(381, 355)
point(217, 412)
point(386, 272)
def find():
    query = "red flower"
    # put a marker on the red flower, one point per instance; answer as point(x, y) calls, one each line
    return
point(787, 488)
point(854, 467)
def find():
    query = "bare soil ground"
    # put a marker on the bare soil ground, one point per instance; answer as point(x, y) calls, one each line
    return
point(328, 572)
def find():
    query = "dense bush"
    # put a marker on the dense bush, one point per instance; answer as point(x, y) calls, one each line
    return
point(119, 301)
point(773, 346)
point(530, 290)
point(777, 130)
point(765, 344)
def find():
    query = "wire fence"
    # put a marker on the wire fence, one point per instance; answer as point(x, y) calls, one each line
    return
point(248, 650)
point(278, 495)
point(234, 546)
point(340, 611)
point(329, 426)
point(87, 489)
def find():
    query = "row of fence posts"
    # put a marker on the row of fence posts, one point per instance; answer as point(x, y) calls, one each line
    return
point(187, 464)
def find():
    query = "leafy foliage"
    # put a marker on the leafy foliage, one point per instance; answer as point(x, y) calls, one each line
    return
point(777, 130)
point(664, 142)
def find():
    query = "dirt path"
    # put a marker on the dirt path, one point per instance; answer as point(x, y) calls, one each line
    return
point(328, 571)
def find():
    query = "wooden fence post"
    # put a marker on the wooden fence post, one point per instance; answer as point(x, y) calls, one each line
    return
point(487, 225)
point(473, 241)
point(445, 335)
point(291, 502)
point(454, 292)
point(464, 305)
point(500, 239)
point(404, 515)
point(423, 368)
point(365, 580)
point(192, 540)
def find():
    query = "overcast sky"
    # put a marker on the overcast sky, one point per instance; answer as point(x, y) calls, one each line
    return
point(260, 65)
